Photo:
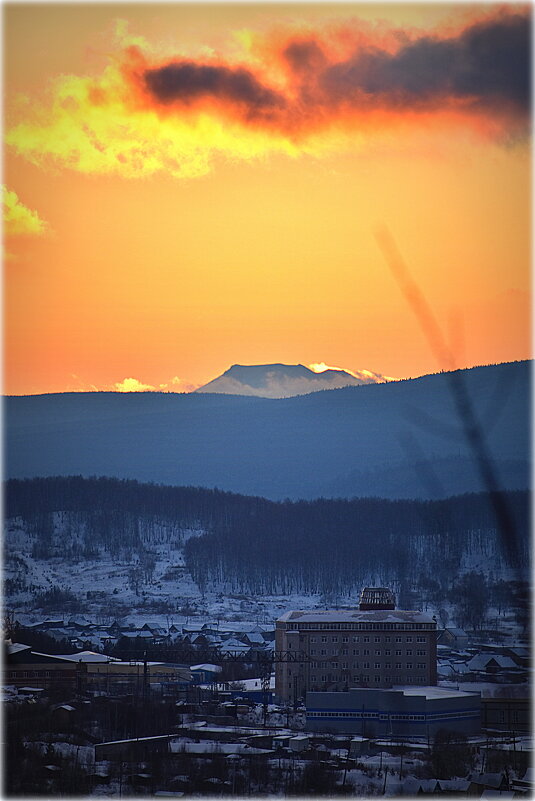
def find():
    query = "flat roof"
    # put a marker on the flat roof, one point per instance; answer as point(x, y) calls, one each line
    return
point(434, 692)
point(356, 616)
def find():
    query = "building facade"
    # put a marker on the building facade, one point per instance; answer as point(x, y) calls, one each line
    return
point(335, 650)
point(403, 712)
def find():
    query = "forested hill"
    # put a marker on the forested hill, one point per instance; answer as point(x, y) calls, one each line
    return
point(255, 545)
point(401, 439)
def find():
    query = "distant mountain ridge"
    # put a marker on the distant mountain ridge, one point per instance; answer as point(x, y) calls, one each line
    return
point(283, 380)
point(399, 439)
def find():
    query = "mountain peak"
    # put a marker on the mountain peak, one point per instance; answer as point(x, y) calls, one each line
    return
point(283, 380)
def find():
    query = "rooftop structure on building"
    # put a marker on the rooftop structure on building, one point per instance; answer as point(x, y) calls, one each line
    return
point(375, 598)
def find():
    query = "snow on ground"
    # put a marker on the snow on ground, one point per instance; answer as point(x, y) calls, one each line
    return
point(106, 589)
point(105, 582)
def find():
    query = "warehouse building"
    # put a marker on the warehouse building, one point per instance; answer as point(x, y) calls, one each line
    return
point(400, 712)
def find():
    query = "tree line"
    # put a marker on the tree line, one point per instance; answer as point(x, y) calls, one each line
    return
point(252, 545)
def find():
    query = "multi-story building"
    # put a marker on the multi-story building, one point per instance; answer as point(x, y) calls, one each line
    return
point(375, 646)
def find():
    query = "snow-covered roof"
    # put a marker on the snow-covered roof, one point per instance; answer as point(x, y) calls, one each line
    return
point(492, 779)
point(234, 648)
point(356, 616)
point(254, 637)
point(17, 647)
point(232, 641)
point(434, 692)
point(89, 656)
point(481, 661)
point(211, 747)
point(208, 667)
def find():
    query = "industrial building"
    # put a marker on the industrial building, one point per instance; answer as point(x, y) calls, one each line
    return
point(400, 712)
point(375, 646)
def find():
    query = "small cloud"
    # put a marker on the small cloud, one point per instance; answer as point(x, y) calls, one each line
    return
point(177, 384)
point(132, 385)
point(368, 376)
point(18, 218)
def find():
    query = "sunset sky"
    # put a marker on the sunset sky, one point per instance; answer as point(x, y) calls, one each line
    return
point(193, 186)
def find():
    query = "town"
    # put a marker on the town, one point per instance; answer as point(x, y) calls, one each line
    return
point(363, 700)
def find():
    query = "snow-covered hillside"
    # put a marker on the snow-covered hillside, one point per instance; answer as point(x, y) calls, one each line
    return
point(107, 586)
point(150, 578)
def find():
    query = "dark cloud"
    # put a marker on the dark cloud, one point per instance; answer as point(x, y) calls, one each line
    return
point(489, 62)
point(186, 82)
point(304, 56)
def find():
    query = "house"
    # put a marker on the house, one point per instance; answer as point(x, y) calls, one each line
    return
point(490, 663)
point(487, 781)
point(234, 646)
point(453, 638)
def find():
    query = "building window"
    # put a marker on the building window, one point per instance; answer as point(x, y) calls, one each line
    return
point(334, 651)
point(388, 665)
point(377, 679)
point(409, 652)
point(334, 665)
point(398, 653)
point(398, 665)
point(324, 639)
point(387, 639)
point(420, 639)
point(324, 678)
point(312, 651)
point(366, 665)
point(323, 651)
point(344, 651)
point(356, 652)
point(365, 639)
point(387, 653)
point(408, 639)
point(334, 639)
point(345, 639)
point(365, 679)
point(399, 639)
point(312, 639)
point(420, 652)
point(409, 666)
point(377, 653)
point(377, 639)
point(355, 664)
point(313, 679)
point(356, 639)
point(344, 665)
point(377, 665)
point(366, 652)
point(421, 665)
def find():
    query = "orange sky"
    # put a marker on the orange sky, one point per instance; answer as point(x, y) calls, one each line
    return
point(192, 186)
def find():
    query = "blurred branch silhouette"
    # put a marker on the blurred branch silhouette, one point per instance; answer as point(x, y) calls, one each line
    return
point(472, 430)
